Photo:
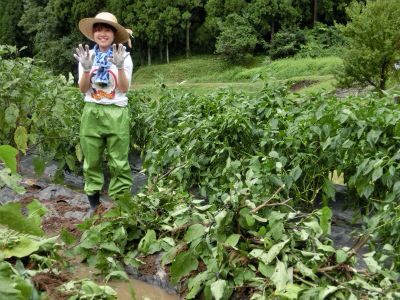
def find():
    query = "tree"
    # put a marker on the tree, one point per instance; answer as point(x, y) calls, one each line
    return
point(217, 12)
point(10, 33)
point(186, 8)
point(236, 39)
point(330, 11)
point(51, 32)
point(286, 44)
point(119, 8)
point(169, 20)
point(315, 12)
point(52, 26)
point(144, 21)
point(261, 14)
point(373, 39)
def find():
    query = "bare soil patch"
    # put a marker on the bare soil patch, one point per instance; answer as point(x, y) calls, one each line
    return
point(53, 226)
point(55, 221)
point(150, 265)
point(49, 282)
point(26, 200)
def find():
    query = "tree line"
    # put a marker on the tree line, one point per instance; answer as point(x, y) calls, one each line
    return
point(48, 28)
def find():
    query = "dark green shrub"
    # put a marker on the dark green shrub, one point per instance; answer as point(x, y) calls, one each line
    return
point(237, 38)
point(286, 44)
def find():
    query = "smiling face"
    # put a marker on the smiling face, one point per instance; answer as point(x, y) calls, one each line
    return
point(103, 35)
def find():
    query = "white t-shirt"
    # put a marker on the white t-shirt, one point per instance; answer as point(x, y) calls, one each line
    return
point(109, 94)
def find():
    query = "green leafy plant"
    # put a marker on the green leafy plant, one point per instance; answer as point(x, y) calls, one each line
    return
point(228, 173)
point(286, 43)
point(39, 112)
point(15, 244)
point(8, 175)
point(87, 289)
point(13, 284)
point(322, 40)
point(22, 242)
point(233, 150)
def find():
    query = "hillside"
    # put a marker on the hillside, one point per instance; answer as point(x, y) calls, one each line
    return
point(209, 72)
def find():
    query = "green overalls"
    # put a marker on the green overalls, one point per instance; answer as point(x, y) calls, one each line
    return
point(105, 127)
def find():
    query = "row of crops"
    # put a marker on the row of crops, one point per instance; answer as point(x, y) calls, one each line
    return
point(233, 182)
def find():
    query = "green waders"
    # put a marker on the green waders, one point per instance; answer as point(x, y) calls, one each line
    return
point(105, 127)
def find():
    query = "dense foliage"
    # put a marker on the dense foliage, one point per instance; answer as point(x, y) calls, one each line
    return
point(273, 137)
point(286, 44)
point(242, 146)
point(322, 41)
point(38, 110)
point(373, 39)
point(227, 173)
point(49, 27)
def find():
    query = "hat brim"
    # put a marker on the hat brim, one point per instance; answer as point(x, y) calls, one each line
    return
point(86, 27)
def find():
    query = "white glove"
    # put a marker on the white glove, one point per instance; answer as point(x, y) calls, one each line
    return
point(119, 55)
point(84, 57)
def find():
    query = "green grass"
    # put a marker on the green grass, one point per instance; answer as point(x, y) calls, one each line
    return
point(183, 69)
point(291, 67)
point(202, 74)
point(205, 88)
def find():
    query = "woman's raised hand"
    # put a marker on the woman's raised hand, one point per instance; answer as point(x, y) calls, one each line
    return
point(119, 55)
point(83, 56)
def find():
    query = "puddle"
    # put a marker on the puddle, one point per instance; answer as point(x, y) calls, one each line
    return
point(126, 289)
point(142, 291)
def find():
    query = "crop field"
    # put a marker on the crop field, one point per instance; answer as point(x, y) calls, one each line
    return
point(237, 203)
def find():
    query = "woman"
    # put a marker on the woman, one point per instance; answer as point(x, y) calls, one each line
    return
point(104, 77)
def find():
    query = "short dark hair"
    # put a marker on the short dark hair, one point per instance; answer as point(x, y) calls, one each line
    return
point(103, 25)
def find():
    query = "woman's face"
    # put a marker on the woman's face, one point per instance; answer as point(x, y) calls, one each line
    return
point(103, 36)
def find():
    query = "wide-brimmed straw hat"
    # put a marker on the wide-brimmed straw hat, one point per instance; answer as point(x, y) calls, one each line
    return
point(86, 27)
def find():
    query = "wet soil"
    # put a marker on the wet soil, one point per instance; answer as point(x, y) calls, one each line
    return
point(58, 216)
point(49, 282)
point(149, 266)
point(242, 293)
point(53, 226)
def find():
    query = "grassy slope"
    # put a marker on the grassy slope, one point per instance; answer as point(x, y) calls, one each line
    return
point(203, 73)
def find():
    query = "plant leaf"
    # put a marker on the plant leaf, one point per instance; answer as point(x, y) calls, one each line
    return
point(194, 232)
point(232, 240)
point(281, 276)
point(184, 263)
point(8, 156)
point(267, 258)
point(21, 138)
point(217, 289)
point(325, 220)
point(10, 215)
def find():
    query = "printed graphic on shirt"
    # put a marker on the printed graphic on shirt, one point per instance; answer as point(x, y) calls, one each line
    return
point(100, 90)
